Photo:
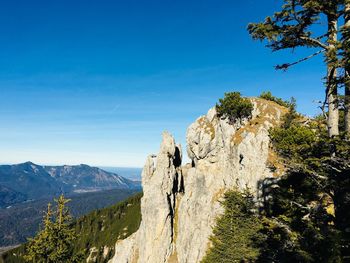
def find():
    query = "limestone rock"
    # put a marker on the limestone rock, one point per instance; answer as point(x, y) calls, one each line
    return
point(180, 204)
point(161, 180)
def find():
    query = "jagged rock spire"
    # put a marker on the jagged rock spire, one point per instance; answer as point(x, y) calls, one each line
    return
point(180, 203)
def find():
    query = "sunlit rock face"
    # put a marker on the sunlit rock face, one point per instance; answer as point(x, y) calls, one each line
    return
point(180, 203)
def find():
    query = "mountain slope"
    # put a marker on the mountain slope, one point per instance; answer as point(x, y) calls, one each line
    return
point(98, 231)
point(31, 180)
point(9, 196)
point(83, 177)
point(22, 220)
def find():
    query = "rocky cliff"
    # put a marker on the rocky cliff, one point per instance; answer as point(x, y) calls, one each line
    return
point(180, 203)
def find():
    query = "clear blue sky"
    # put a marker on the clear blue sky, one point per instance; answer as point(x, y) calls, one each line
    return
point(97, 82)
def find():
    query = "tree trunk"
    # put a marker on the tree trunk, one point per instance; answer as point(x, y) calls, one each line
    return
point(347, 104)
point(332, 87)
point(346, 36)
point(332, 99)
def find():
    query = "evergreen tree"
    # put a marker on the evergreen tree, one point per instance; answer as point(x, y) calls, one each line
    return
point(54, 243)
point(312, 199)
point(234, 107)
point(236, 234)
point(290, 28)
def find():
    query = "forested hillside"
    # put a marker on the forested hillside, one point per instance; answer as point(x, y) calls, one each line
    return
point(22, 220)
point(98, 231)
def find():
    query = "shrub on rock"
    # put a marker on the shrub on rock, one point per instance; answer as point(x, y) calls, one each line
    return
point(234, 107)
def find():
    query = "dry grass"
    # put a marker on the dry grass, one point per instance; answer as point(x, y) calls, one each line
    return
point(218, 195)
point(275, 162)
point(268, 112)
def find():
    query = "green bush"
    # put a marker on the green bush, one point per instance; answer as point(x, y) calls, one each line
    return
point(234, 107)
point(294, 140)
point(292, 115)
point(267, 95)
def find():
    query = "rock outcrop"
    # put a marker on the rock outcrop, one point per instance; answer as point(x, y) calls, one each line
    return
point(180, 203)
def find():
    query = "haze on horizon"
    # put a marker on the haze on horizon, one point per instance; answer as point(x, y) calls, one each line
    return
point(97, 82)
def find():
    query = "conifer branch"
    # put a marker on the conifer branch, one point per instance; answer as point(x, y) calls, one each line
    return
point(315, 42)
point(286, 66)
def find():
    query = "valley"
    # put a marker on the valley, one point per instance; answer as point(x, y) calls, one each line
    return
point(27, 188)
point(22, 220)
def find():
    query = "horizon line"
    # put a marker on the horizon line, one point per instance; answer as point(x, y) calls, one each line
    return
point(56, 164)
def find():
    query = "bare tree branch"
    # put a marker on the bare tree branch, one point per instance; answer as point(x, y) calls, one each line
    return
point(288, 65)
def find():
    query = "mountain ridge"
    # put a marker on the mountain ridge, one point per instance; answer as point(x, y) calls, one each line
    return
point(30, 181)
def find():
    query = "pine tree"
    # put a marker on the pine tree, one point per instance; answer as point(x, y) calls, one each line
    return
point(312, 199)
point(235, 237)
point(40, 247)
point(290, 28)
point(234, 107)
point(54, 243)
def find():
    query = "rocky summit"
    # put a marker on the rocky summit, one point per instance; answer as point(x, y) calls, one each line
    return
point(181, 202)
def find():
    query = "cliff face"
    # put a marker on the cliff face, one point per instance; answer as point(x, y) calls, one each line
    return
point(180, 203)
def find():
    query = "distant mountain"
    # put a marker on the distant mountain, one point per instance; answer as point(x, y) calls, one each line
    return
point(29, 181)
point(84, 178)
point(131, 173)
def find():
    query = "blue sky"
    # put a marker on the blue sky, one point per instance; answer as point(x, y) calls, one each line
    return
point(97, 82)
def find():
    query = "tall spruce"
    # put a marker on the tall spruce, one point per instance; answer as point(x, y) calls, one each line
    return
point(54, 243)
point(290, 28)
point(312, 197)
point(236, 236)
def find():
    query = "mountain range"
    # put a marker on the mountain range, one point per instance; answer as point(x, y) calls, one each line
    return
point(29, 181)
